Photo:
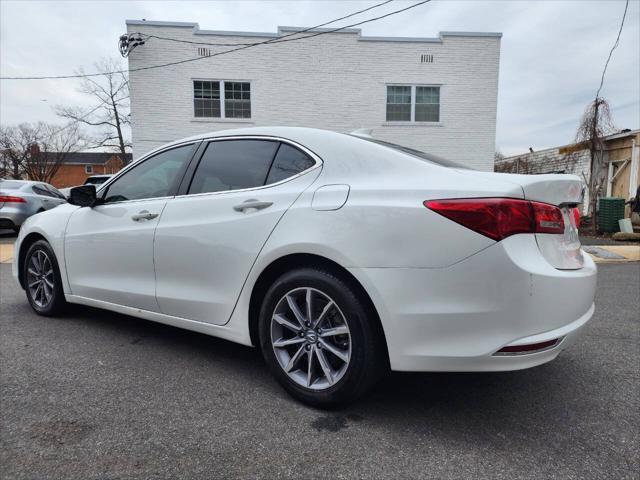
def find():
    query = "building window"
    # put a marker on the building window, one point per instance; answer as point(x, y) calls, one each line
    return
point(88, 169)
point(209, 103)
point(413, 103)
point(237, 100)
point(427, 104)
point(206, 98)
point(398, 103)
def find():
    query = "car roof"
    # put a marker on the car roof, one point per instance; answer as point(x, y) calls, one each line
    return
point(302, 135)
point(345, 157)
point(23, 183)
point(324, 143)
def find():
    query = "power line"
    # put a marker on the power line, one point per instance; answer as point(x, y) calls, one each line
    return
point(612, 49)
point(128, 42)
point(77, 120)
point(179, 62)
point(271, 40)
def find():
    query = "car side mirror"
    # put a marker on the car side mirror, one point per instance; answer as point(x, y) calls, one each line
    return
point(83, 196)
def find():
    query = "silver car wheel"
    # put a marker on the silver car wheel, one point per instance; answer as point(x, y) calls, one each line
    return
point(310, 338)
point(40, 278)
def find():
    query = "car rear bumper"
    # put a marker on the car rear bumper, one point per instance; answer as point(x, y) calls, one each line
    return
point(13, 216)
point(12, 219)
point(457, 318)
point(7, 223)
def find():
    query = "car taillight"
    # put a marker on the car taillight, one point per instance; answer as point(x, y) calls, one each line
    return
point(10, 199)
point(548, 218)
point(499, 218)
point(576, 217)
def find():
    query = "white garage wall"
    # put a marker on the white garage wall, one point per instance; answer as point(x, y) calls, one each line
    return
point(335, 81)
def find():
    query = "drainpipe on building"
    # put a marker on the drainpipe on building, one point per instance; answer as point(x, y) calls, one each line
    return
point(609, 179)
point(633, 175)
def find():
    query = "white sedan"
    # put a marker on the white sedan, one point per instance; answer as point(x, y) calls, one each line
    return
point(339, 256)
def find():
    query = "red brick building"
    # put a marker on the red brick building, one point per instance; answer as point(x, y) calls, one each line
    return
point(78, 166)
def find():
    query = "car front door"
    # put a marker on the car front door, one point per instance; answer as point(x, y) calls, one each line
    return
point(109, 248)
point(208, 238)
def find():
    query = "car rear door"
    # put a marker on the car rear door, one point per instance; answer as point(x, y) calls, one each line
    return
point(58, 197)
point(209, 237)
point(46, 198)
point(109, 248)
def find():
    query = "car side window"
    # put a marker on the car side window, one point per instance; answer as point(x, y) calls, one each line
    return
point(55, 192)
point(233, 165)
point(41, 190)
point(289, 161)
point(155, 177)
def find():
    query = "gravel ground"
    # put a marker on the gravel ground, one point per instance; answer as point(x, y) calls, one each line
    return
point(96, 395)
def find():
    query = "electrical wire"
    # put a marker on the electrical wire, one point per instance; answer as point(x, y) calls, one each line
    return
point(129, 41)
point(224, 52)
point(271, 40)
point(73, 122)
point(604, 71)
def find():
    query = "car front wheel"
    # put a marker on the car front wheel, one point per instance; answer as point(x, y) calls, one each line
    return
point(42, 280)
point(319, 339)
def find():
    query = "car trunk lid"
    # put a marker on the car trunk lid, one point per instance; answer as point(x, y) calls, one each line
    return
point(564, 191)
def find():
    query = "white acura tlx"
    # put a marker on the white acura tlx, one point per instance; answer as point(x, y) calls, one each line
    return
point(339, 256)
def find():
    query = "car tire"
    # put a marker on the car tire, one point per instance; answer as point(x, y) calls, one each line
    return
point(330, 381)
point(42, 281)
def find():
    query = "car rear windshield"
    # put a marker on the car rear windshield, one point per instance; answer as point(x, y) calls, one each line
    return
point(416, 153)
point(9, 185)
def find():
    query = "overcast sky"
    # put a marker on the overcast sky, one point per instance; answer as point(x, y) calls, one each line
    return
point(552, 52)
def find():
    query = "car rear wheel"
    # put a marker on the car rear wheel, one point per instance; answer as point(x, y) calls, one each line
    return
point(318, 338)
point(42, 280)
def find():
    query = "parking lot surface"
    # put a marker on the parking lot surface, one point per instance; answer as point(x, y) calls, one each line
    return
point(97, 395)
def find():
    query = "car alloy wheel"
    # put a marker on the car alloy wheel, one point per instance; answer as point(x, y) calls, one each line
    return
point(310, 338)
point(40, 278)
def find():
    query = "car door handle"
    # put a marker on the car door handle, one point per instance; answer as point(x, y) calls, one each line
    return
point(143, 215)
point(252, 203)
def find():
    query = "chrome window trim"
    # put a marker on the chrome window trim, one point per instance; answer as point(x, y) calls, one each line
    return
point(132, 165)
point(318, 163)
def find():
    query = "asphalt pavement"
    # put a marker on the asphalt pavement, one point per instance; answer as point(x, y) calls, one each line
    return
point(97, 395)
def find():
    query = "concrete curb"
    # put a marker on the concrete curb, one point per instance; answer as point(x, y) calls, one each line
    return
point(6, 252)
point(613, 253)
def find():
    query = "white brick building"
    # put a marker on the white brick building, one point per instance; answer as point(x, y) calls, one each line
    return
point(619, 175)
point(433, 94)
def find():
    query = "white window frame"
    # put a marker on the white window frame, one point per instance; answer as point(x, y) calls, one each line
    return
point(223, 116)
point(88, 169)
point(412, 120)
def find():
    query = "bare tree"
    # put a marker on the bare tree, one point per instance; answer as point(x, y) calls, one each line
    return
point(595, 124)
point(15, 143)
point(518, 165)
point(38, 150)
point(109, 114)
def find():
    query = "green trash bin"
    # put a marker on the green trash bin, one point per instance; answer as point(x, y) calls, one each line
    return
point(610, 210)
